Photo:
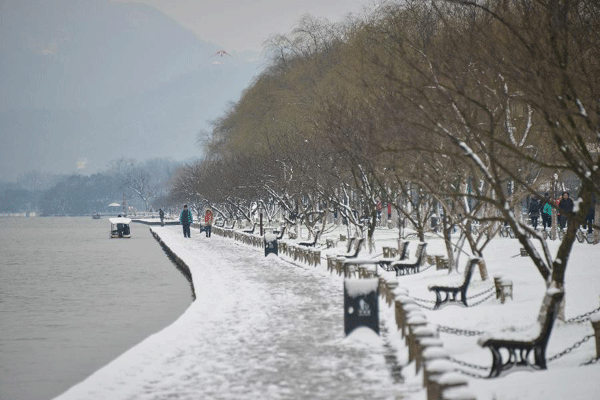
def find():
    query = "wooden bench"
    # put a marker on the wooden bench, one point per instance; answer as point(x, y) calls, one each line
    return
point(231, 227)
point(452, 292)
point(405, 268)
point(348, 246)
point(313, 243)
point(251, 231)
point(280, 233)
point(357, 248)
point(520, 346)
point(386, 263)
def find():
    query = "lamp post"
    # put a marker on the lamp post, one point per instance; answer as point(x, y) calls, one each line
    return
point(554, 211)
point(260, 215)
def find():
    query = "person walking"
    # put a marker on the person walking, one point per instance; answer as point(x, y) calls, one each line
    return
point(534, 211)
point(161, 214)
point(547, 212)
point(186, 220)
point(565, 205)
point(208, 220)
point(589, 219)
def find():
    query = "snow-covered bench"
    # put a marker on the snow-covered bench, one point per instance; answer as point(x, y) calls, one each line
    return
point(405, 268)
point(386, 263)
point(231, 227)
point(520, 345)
point(348, 246)
point(251, 231)
point(383, 262)
point(280, 233)
point(313, 243)
point(453, 291)
point(349, 252)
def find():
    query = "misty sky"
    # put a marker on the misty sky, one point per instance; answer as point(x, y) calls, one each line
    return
point(85, 82)
point(242, 24)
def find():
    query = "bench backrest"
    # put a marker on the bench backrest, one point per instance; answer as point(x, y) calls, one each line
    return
point(350, 243)
point(281, 233)
point(420, 252)
point(548, 313)
point(403, 250)
point(317, 235)
point(469, 269)
point(358, 246)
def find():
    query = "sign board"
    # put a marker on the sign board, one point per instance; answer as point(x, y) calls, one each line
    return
point(270, 244)
point(361, 304)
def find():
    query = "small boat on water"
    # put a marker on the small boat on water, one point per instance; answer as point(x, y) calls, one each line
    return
point(119, 227)
point(96, 215)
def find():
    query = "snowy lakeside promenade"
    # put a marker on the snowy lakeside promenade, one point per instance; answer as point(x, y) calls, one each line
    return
point(272, 328)
point(571, 342)
point(259, 328)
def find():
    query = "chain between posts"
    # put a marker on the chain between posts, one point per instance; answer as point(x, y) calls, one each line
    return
point(459, 332)
point(424, 306)
point(482, 300)
point(472, 375)
point(569, 349)
point(482, 293)
point(426, 268)
point(592, 361)
point(582, 318)
point(466, 364)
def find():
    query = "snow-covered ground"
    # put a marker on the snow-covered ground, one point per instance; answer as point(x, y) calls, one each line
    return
point(268, 328)
point(565, 378)
point(259, 328)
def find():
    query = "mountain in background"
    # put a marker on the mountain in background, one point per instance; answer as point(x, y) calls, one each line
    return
point(85, 82)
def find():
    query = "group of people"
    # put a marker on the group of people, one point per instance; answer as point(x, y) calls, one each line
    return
point(186, 219)
point(564, 208)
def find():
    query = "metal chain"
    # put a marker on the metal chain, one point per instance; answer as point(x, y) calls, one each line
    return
point(482, 293)
point(425, 269)
point(424, 306)
point(582, 318)
point(568, 350)
point(592, 361)
point(460, 332)
point(472, 375)
point(423, 300)
point(466, 364)
point(482, 300)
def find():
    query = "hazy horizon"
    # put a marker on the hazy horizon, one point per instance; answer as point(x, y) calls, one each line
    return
point(87, 82)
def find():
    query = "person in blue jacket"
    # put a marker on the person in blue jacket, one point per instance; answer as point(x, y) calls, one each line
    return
point(547, 212)
point(186, 220)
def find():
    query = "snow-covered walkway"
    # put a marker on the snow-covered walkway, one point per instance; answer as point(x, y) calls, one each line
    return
point(259, 328)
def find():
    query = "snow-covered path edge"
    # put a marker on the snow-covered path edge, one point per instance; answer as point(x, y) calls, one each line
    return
point(159, 367)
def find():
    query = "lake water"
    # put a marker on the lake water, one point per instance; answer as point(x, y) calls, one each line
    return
point(72, 300)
